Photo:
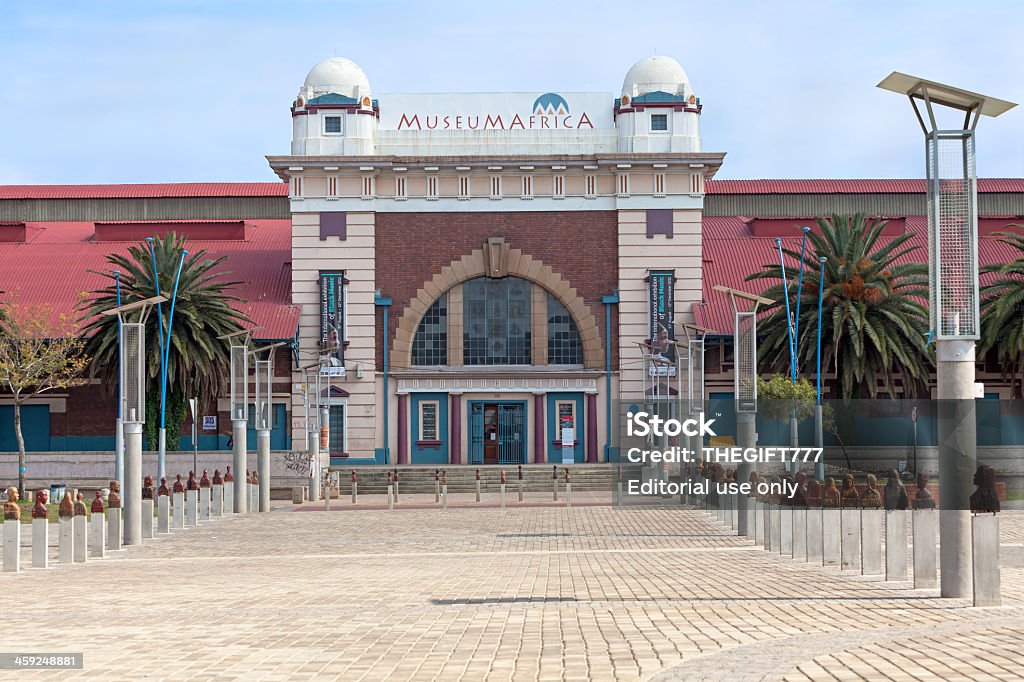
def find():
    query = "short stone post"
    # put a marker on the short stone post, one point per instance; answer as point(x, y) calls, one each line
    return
point(218, 494)
point(750, 527)
point(114, 537)
point(849, 519)
point(831, 537)
point(146, 508)
point(568, 488)
point(178, 505)
point(229, 492)
point(759, 517)
point(813, 528)
point(97, 529)
point(799, 519)
point(437, 486)
point(254, 491)
point(896, 544)
point(327, 489)
point(192, 500)
point(396, 485)
point(554, 483)
point(925, 558)
point(65, 530)
point(391, 492)
point(355, 487)
point(786, 531)
point(40, 531)
point(444, 489)
point(871, 541)
point(775, 536)
point(985, 567)
point(80, 530)
point(521, 483)
point(767, 524)
point(501, 493)
point(12, 532)
point(163, 507)
point(205, 496)
point(478, 485)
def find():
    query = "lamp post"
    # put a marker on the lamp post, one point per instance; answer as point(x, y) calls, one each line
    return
point(310, 418)
point(953, 303)
point(819, 436)
point(119, 427)
point(131, 347)
point(264, 414)
point(745, 385)
point(239, 413)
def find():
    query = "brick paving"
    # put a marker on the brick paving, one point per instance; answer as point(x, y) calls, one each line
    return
point(534, 593)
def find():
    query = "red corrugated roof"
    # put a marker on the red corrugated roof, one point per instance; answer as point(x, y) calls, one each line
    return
point(878, 186)
point(53, 267)
point(152, 191)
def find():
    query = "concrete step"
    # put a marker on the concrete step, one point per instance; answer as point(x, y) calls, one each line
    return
point(536, 478)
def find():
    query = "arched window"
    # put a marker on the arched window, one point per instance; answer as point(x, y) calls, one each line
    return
point(564, 345)
point(496, 321)
point(430, 345)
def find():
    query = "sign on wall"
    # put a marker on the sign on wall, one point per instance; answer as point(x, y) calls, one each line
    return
point(661, 301)
point(497, 111)
point(209, 422)
point(332, 311)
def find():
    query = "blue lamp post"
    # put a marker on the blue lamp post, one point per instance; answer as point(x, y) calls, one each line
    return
point(119, 429)
point(819, 437)
point(789, 318)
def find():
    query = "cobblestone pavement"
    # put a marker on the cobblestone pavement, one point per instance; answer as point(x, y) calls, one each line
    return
point(590, 593)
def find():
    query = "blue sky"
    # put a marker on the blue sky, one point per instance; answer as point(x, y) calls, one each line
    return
point(196, 91)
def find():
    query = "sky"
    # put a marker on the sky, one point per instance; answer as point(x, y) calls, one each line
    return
point(155, 91)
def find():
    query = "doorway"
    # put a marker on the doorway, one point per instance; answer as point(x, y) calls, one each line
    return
point(497, 432)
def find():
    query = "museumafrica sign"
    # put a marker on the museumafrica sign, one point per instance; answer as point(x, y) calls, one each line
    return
point(497, 111)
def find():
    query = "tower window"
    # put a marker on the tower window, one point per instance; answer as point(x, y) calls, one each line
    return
point(659, 121)
point(332, 124)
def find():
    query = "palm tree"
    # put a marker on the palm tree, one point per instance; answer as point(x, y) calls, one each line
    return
point(198, 362)
point(874, 319)
point(1002, 316)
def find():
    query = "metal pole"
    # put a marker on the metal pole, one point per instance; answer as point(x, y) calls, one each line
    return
point(789, 319)
point(746, 437)
point(819, 436)
point(133, 484)
point(195, 440)
point(119, 426)
point(162, 458)
point(263, 464)
point(239, 465)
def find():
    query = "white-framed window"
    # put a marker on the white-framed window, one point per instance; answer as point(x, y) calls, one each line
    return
point(400, 190)
point(333, 125)
point(558, 186)
point(659, 184)
point(432, 187)
point(527, 189)
point(332, 186)
point(659, 123)
point(463, 187)
point(495, 186)
point(368, 187)
point(297, 186)
point(337, 425)
point(429, 420)
point(623, 184)
point(590, 186)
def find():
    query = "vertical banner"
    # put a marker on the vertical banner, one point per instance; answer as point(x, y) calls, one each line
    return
point(661, 300)
point(332, 311)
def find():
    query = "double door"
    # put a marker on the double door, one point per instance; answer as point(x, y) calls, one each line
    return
point(498, 431)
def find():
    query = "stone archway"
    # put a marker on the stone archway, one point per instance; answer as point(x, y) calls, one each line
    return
point(497, 259)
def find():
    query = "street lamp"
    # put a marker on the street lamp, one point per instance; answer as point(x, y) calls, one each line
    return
point(745, 384)
point(131, 349)
point(953, 303)
point(239, 411)
point(819, 436)
point(264, 416)
point(119, 428)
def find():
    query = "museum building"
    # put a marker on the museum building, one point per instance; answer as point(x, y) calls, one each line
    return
point(464, 278)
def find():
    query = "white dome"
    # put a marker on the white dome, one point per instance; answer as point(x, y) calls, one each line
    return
point(338, 75)
point(655, 73)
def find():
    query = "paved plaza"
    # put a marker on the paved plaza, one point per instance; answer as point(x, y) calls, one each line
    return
point(590, 593)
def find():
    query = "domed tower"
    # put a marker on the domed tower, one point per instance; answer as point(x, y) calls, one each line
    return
point(334, 112)
point(658, 110)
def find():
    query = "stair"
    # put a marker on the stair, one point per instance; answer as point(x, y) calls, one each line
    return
point(462, 479)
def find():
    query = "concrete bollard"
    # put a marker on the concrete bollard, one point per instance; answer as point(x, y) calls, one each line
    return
point(80, 531)
point(97, 529)
point(191, 508)
point(767, 511)
point(799, 519)
point(205, 503)
point(775, 534)
point(896, 544)
point(396, 486)
point(355, 487)
point(114, 530)
point(786, 534)
point(477, 485)
point(391, 496)
point(985, 564)
point(444, 490)
point(871, 542)
point(66, 539)
point(217, 508)
point(40, 540)
point(759, 517)
point(554, 483)
point(568, 488)
point(437, 486)
point(812, 529)
point(163, 512)
point(147, 518)
point(12, 545)
point(849, 520)
point(618, 494)
point(925, 558)
point(501, 492)
point(751, 518)
point(521, 484)
point(831, 537)
point(178, 509)
point(229, 497)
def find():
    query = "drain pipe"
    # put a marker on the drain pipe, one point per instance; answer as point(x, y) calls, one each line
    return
point(608, 302)
point(385, 303)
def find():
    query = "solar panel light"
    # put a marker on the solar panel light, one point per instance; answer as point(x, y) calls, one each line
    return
point(744, 306)
point(132, 349)
point(263, 393)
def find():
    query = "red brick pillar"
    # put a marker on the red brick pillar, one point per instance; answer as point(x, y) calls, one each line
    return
point(540, 428)
point(455, 431)
point(403, 428)
point(592, 427)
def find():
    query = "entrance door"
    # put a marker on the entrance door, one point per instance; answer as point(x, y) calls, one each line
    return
point(498, 432)
point(491, 443)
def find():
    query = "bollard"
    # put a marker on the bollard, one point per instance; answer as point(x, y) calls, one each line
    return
point(355, 484)
point(775, 529)
point(896, 544)
point(65, 530)
point(218, 494)
point(40, 531)
point(229, 491)
point(799, 532)
point(925, 564)
point(618, 493)
point(114, 536)
point(831, 537)
point(437, 486)
point(253, 480)
point(178, 505)
point(163, 507)
point(759, 517)
point(751, 517)
point(568, 488)
point(391, 495)
point(12, 532)
point(327, 489)
point(146, 508)
point(520, 482)
point(786, 531)
point(849, 520)
point(396, 486)
point(985, 564)
point(205, 496)
point(813, 535)
point(191, 508)
point(767, 511)
point(444, 489)
point(97, 529)
point(554, 483)
point(871, 541)
point(477, 485)
point(80, 530)
point(502, 491)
